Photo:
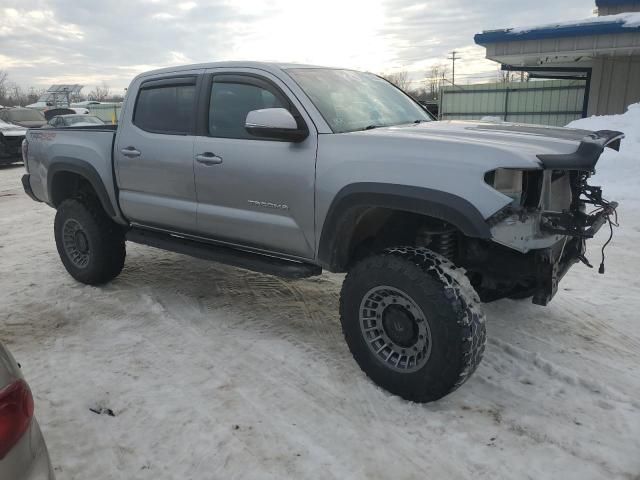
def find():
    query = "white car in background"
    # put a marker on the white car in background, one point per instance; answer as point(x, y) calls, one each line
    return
point(80, 110)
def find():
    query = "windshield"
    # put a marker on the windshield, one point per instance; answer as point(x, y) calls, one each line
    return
point(350, 100)
point(71, 120)
point(25, 115)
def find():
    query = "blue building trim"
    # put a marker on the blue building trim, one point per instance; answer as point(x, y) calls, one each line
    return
point(616, 3)
point(586, 29)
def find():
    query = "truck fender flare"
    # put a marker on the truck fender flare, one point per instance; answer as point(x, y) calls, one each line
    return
point(85, 170)
point(425, 201)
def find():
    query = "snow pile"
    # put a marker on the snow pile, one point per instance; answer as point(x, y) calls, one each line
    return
point(618, 172)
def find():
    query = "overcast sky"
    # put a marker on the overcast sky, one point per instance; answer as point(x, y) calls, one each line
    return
point(69, 41)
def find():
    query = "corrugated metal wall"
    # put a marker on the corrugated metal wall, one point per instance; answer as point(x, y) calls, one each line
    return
point(548, 102)
point(615, 84)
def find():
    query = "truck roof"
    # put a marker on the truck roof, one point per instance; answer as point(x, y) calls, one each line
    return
point(268, 66)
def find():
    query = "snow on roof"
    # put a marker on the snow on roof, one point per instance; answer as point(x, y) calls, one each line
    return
point(609, 24)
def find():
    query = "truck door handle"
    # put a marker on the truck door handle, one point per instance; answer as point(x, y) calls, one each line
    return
point(130, 152)
point(208, 158)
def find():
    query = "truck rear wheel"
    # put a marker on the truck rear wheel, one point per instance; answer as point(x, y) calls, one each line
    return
point(412, 322)
point(91, 246)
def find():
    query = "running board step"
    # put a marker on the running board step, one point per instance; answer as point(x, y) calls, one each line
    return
point(222, 254)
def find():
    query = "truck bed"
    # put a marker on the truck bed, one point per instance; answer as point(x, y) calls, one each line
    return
point(51, 149)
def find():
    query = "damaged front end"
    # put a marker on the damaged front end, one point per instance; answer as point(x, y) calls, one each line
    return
point(554, 211)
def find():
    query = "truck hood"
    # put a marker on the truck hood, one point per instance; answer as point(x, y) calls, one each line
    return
point(524, 141)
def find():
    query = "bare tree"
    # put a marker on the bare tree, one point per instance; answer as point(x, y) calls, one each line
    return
point(100, 93)
point(400, 79)
point(15, 94)
point(506, 76)
point(116, 98)
point(421, 94)
point(77, 97)
point(4, 80)
point(34, 94)
point(435, 80)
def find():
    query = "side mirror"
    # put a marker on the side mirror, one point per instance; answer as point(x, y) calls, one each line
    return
point(276, 123)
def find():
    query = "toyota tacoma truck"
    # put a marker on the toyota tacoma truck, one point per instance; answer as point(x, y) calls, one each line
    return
point(290, 169)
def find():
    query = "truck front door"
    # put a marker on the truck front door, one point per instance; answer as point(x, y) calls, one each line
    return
point(154, 154)
point(253, 192)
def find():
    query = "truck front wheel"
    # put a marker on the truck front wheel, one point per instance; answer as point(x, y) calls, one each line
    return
point(91, 246)
point(412, 322)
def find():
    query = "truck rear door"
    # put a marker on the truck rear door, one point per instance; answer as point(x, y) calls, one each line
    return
point(154, 153)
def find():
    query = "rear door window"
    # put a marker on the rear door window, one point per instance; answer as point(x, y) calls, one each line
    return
point(168, 109)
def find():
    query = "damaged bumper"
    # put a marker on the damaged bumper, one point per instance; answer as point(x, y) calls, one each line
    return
point(578, 224)
point(551, 233)
point(551, 265)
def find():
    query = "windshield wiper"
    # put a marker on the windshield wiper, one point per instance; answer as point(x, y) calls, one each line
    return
point(371, 127)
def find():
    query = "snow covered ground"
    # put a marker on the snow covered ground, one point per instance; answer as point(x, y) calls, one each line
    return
point(213, 372)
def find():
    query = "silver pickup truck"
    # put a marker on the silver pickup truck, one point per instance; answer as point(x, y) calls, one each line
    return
point(291, 169)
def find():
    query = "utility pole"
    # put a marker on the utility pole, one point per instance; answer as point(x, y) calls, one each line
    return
point(453, 59)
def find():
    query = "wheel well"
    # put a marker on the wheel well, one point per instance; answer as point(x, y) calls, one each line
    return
point(375, 228)
point(66, 185)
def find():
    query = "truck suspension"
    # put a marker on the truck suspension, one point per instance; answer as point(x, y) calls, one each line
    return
point(439, 237)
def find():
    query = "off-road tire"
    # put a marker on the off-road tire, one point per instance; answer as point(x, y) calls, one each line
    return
point(436, 288)
point(104, 239)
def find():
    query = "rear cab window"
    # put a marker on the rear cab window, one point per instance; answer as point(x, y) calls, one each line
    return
point(166, 106)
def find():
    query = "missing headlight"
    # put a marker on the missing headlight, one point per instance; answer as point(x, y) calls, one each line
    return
point(523, 186)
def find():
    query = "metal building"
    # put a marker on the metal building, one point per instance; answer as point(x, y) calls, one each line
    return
point(552, 102)
point(603, 51)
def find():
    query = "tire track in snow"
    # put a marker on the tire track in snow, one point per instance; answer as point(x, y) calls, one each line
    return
point(541, 379)
point(597, 331)
point(566, 376)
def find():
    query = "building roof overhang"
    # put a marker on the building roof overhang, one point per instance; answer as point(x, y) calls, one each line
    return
point(622, 23)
